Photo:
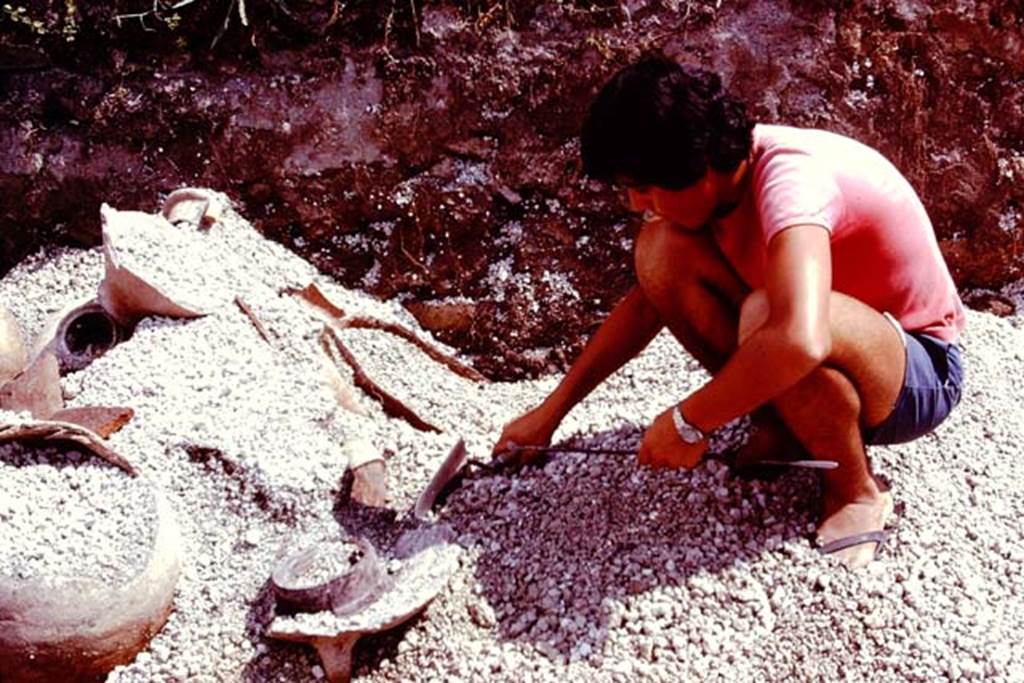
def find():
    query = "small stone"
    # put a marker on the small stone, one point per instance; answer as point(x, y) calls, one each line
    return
point(874, 620)
point(972, 669)
point(747, 595)
point(482, 614)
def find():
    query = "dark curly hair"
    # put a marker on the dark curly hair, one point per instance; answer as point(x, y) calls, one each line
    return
point(659, 123)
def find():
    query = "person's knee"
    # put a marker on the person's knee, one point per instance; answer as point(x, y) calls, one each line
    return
point(651, 257)
point(753, 314)
point(668, 260)
point(826, 391)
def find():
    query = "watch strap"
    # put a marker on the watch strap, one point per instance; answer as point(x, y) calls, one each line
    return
point(687, 432)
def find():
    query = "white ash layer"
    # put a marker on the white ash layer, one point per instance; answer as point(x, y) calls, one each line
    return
point(72, 516)
point(47, 283)
point(448, 400)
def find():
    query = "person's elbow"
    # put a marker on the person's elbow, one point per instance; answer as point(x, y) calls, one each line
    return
point(812, 345)
point(645, 315)
point(807, 346)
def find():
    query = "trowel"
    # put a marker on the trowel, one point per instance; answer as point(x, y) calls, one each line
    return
point(449, 470)
point(451, 473)
point(453, 468)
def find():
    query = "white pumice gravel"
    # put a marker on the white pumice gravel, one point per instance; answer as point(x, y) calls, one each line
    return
point(586, 568)
point(70, 516)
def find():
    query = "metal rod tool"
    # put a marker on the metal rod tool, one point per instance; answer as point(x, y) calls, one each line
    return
point(809, 464)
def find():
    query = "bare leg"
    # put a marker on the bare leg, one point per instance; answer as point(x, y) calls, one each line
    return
point(696, 292)
point(857, 387)
point(698, 296)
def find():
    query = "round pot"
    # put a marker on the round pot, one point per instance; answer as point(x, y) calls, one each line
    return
point(80, 334)
point(345, 593)
point(81, 629)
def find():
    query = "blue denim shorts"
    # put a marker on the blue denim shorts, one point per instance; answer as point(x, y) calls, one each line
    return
point(931, 389)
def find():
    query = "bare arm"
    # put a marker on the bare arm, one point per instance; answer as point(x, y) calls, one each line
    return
point(629, 328)
point(794, 341)
point(626, 332)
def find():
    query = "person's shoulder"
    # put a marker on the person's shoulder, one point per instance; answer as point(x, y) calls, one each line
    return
point(785, 149)
point(793, 180)
point(782, 149)
point(794, 138)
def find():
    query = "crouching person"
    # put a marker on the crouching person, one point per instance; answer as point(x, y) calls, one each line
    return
point(798, 266)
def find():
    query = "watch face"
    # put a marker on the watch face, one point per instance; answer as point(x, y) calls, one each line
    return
point(690, 434)
point(687, 432)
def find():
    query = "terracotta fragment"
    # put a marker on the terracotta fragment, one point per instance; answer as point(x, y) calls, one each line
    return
point(36, 389)
point(192, 206)
point(370, 484)
point(53, 430)
point(453, 364)
point(370, 477)
point(392, 406)
point(256, 322)
point(101, 420)
point(126, 295)
point(338, 384)
point(350, 578)
point(425, 557)
point(443, 316)
point(13, 356)
point(335, 318)
point(312, 295)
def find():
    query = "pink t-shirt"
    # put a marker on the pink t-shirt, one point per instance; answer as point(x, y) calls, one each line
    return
point(884, 250)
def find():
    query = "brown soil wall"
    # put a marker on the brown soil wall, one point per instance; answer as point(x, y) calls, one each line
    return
point(427, 150)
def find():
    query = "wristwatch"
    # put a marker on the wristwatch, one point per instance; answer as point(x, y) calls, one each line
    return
point(687, 432)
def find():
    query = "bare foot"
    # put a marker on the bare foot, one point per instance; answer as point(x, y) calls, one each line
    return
point(769, 439)
point(850, 518)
